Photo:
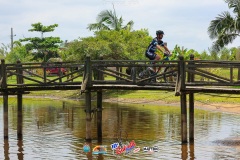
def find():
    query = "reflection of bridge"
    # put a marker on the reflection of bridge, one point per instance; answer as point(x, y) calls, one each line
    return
point(94, 75)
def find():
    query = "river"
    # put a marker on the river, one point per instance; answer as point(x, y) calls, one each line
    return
point(54, 129)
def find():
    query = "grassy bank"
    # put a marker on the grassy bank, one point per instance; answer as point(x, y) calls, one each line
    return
point(142, 95)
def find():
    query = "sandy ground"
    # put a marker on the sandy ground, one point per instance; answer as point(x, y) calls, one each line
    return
point(219, 107)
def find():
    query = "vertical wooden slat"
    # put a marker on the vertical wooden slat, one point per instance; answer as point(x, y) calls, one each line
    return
point(5, 99)
point(183, 101)
point(231, 75)
point(99, 107)
point(88, 116)
point(191, 104)
point(19, 100)
point(5, 116)
point(19, 117)
point(88, 99)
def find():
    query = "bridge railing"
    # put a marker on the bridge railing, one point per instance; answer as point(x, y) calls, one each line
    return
point(40, 74)
point(128, 72)
point(117, 73)
point(213, 73)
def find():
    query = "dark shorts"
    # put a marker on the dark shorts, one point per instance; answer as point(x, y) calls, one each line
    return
point(150, 55)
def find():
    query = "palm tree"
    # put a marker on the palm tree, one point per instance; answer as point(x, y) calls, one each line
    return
point(108, 20)
point(225, 28)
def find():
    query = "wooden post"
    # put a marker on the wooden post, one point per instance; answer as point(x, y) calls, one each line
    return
point(191, 104)
point(88, 71)
point(5, 115)
point(183, 100)
point(88, 99)
point(88, 115)
point(5, 99)
point(44, 72)
point(19, 118)
point(99, 108)
point(99, 115)
point(3, 75)
point(19, 100)
point(60, 73)
point(133, 75)
point(19, 72)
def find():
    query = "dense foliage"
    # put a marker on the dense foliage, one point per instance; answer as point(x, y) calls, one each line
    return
point(114, 40)
point(226, 27)
point(110, 44)
point(42, 47)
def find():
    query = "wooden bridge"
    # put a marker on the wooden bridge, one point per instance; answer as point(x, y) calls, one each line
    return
point(96, 75)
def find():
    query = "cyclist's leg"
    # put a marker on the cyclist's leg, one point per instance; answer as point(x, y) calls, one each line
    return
point(157, 58)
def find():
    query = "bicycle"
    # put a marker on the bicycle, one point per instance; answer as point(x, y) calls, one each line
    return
point(168, 74)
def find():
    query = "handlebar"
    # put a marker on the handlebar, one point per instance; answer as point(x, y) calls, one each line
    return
point(167, 54)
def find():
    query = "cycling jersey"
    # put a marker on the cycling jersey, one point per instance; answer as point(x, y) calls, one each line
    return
point(153, 45)
point(150, 52)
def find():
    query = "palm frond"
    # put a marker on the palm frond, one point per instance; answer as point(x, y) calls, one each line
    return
point(129, 26)
point(97, 26)
point(108, 20)
point(223, 40)
point(235, 5)
point(107, 17)
point(223, 23)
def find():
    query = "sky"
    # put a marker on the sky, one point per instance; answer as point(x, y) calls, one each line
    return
point(184, 22)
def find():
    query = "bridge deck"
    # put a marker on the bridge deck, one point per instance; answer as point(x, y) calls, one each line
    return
point(208, 76)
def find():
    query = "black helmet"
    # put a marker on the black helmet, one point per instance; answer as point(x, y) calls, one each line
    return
point(159, 32)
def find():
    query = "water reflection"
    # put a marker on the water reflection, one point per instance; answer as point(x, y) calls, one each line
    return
point(6, 149)
point(20, 149)
point(56, 130)
point(188, 151)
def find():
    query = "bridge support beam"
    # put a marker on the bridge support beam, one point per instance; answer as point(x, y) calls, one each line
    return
point(183, 100)
point(184, 118)
point(5, 116)
point(99, 115)
point(88, 115)
point(191, 104)
point(191, 117)
point(20, 117)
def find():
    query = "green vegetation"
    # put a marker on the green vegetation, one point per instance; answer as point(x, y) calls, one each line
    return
point(114, 40)
point(225, 28)
point(141, 95)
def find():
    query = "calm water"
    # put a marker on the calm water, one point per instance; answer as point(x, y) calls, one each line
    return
point(55, 130)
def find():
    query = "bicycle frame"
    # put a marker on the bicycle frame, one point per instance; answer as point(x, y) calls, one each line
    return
point(168, 74)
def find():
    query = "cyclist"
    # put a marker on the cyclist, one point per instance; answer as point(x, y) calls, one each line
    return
point(154, 45)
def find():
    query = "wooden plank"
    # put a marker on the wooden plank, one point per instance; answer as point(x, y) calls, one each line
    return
point(113, 71)
point(178, 86)
point(114, 75)
point(211, 74)
point(213, 77)
point(84, 84)
point(31, 79)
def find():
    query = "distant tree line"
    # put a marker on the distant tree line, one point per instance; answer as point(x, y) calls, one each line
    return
point(114, 40)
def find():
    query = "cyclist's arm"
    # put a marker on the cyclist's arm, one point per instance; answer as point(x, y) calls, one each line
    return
point(159, 48)
point(166, 49)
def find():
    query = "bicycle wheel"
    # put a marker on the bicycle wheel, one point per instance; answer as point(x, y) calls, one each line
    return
point(170, 75)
